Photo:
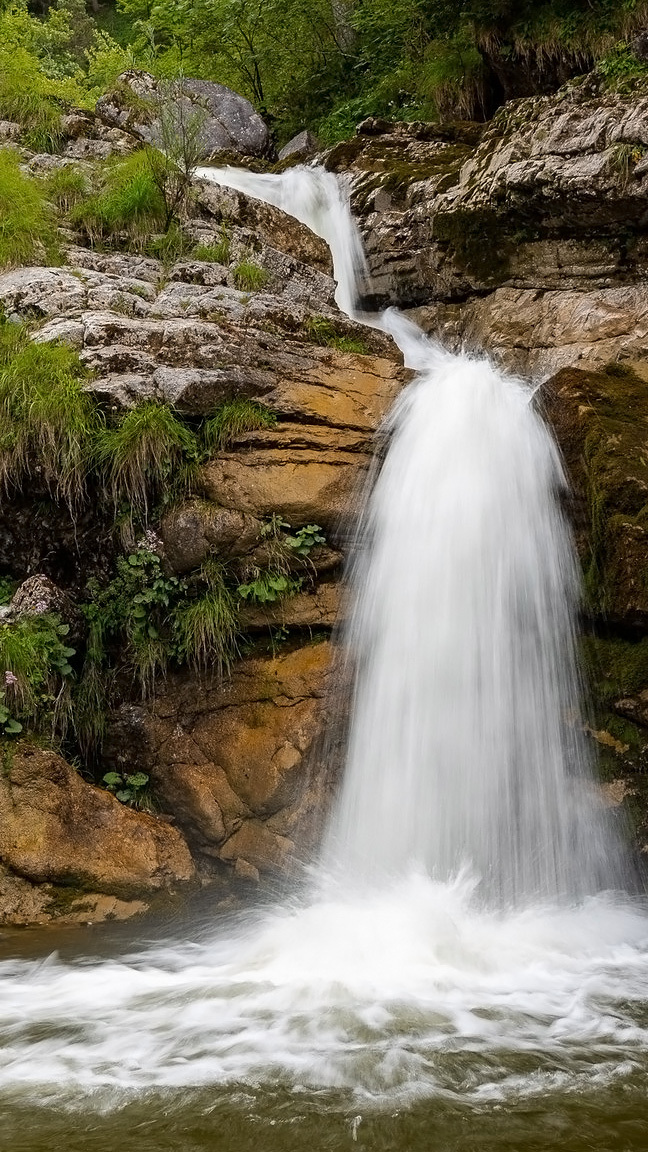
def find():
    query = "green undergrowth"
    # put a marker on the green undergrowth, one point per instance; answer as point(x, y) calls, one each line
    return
point(129, 201)
point(27, 227)
point(232, 419)
point(321, 331)
point(249, 277)
point(36, 675)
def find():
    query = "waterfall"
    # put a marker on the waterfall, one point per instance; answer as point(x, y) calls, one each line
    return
point(456, 945)
point(465, 749)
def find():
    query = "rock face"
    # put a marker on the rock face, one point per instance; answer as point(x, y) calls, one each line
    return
point(57, 830)
point(230, 760)
point(524, 236)
point(151, 110)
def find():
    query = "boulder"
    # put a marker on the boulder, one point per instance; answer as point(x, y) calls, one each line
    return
point(301, 147)
point(151, 109)
point(55, 828)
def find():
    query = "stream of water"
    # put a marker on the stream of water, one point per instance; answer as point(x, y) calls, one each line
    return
point(468, 969)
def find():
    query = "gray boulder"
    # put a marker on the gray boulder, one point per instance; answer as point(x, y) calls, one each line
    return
point(223, 120)
point(302, 146)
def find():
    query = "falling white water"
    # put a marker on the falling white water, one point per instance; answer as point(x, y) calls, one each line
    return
point(456, 953)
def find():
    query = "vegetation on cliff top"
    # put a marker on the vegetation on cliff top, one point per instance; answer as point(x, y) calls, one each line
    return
point(324, 64)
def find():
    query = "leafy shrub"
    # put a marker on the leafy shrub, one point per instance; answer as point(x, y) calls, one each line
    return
point(268, 587)
point(305, 539)
point(47, 420)
point(231, 419)
point(27, 231)
point(129, 788)
point(249, 277)
point(35, 667)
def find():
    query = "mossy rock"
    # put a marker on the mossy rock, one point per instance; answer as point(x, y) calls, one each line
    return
point(601, 421)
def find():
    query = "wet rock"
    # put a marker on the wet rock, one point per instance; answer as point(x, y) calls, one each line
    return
point(230, 759)
point(195, 529)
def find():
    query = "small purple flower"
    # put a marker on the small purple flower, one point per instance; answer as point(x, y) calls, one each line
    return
point(9, 678)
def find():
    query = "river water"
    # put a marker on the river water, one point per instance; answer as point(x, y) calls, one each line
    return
point(466, 965)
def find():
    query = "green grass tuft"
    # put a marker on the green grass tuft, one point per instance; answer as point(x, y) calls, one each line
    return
point(214, 253)
point(34, 658)
point(233, 418)
point(249, 277)
point(129, 202)
point(27, 230)
point(47, 420)
point(206, 629)
point(65, 187)
point(138, 456)
point(321, 331)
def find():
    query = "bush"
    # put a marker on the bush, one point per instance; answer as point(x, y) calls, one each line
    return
point(35, 666)
point(27, 231)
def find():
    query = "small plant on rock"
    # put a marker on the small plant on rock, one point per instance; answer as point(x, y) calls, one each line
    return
point(233, 418)
point(27, 230)
point(129, 788)
point(249, 277)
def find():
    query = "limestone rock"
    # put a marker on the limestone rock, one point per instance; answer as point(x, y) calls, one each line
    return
point(228, 122)
point(300, 147)
point(57, 829)
point(230, 759)
point(194, 529)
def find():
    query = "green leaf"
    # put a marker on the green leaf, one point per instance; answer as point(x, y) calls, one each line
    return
point(13, 726)
point(138, 780)
point(112, 778)
point(124, 795)
point(63, 629)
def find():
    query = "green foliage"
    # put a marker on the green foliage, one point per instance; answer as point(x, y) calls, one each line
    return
point(321, 331)
point(231, 419)
point(129, 788)
point(65, 186)
point(206, 628)
point(27, 231)
point(215, 253)
point(138, 455)
point(129, 202)
point(621, 69)
point(249, 277)
point(305, 539)
point(8, 587)
point(47, 419)
point(35, 665)
point(268, 587)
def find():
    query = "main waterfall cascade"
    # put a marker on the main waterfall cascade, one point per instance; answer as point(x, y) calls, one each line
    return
point(457, 941)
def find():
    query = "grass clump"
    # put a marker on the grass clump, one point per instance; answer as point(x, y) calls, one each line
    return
point(27, 230)
point(48, 422)
point(321, 331)
point(233, 418)
point(130, 202)
point(141, 453)
point(249, 277)
point(65, 187)
point(214, 253)
point(206, 628)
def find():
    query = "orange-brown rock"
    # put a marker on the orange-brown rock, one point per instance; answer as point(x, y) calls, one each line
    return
point(230, 759)
point(57, 829)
